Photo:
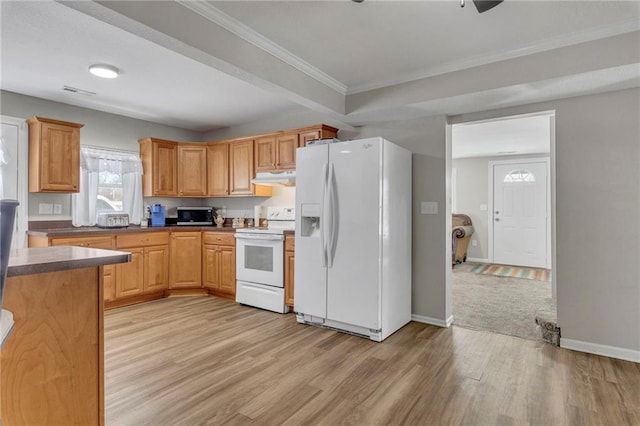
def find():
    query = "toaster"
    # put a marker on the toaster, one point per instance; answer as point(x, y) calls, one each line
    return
point(113, 220)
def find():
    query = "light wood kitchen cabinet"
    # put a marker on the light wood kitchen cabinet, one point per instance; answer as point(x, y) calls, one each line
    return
point(241, 167)
point(265, 153)
point(316, 132)
point(218, 169)
point(192, 170)
point(54, 155)
point(219, 263)
point(148, 270)
point(289, 269)
point(160, 167)
point(186, 263)
point(276, 152)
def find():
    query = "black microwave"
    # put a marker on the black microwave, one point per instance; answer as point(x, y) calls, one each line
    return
point(196, 215)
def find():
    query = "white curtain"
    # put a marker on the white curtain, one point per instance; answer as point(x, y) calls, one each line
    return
point(83, 204)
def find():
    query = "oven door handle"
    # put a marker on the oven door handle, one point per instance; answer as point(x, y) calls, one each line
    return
point(259, 237)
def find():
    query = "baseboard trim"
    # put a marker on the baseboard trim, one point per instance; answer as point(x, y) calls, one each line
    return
point(433, 321)
point(605, 350)
point(476, 260)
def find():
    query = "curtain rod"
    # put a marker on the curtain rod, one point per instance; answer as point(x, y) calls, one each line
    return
point(110, 149)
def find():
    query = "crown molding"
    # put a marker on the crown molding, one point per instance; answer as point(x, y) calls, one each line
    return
point(592, 34)
point(220, 18)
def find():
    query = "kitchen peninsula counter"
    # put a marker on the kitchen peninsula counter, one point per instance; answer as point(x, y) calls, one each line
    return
point(86, 231)
point(52, 364)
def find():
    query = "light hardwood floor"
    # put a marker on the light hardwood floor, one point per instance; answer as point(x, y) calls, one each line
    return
point(203, 360)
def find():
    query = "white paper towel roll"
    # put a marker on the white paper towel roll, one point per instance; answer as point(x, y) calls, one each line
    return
point(256, 215)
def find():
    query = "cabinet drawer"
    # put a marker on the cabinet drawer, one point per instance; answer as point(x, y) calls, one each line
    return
point(103, 241)
point(289, 243)
point(142, 239)
point(219, 238)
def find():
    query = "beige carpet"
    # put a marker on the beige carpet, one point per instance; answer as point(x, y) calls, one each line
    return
point(500, 304)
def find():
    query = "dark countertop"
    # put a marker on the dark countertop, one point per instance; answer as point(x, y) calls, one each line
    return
point(84, 231)
point(30, 261)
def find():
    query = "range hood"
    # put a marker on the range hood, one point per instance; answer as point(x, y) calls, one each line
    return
point(286, 178)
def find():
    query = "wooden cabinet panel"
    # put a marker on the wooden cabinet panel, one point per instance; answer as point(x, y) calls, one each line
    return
point(185, 267)
point(219, 238)
point(286, 146)
point(165, 176)
point(289, 269)
point(142, 239)
point(130, 276)
point(218, 169)
point(156, 267)
point(219, 263)
point(316, 132)
point(109, 282)
point(265, 153)
point(210, 266)
point(54, 155)
point(241, 167)
point(227, 269)
point(103, 242)
point(160, 167)
point(192, 170)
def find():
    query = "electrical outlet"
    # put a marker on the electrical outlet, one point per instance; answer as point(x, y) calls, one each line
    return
point(45, 208)
point(57, 209)
point(474, 243)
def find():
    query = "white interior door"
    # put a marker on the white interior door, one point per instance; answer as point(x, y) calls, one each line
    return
point(520, 210)
point(13, 174)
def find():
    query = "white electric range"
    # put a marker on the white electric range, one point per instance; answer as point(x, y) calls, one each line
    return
point(260, 261)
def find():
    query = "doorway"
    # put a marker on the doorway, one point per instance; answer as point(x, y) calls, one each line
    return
point(504, 184)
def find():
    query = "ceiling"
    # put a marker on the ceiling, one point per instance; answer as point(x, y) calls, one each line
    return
point(207, 65)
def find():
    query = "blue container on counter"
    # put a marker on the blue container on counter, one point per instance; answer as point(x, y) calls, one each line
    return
point(157, 215)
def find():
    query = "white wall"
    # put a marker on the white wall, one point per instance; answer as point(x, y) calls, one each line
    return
point(100, 129)
point(472, 191)
point(597, 218)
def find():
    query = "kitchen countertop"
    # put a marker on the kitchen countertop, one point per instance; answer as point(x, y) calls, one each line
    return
point(93, 230)
point(50, 259)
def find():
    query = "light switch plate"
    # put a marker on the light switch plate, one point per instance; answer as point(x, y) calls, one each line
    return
point(429, 207)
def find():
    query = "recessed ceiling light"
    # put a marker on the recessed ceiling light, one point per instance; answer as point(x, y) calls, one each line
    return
point(104, 70)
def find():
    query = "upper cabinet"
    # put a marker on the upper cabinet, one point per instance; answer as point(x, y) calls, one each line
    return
point(241, 167)
point(173, 169)
point(223, 168)
point(218, 169)
point(54, 155)
point(160, 167)
point(321, 131)
point(276, 152)
point(192, 170)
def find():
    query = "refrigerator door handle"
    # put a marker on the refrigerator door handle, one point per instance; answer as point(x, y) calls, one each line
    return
point(333, 208)
point(323, 224)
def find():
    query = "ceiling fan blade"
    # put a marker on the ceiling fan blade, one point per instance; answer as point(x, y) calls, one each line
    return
point(484, 5)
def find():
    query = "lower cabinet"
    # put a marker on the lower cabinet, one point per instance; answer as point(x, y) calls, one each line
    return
point(148, 270)
point(186, 262)
point(289, 265)
point(219, 263)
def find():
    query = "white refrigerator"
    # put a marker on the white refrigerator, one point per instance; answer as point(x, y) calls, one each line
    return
point(353, 237)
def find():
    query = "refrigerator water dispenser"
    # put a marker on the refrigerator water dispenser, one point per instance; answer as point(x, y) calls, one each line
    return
point(310, 220)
